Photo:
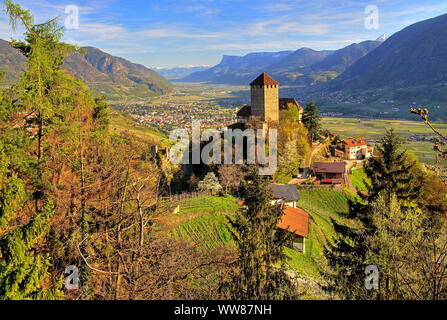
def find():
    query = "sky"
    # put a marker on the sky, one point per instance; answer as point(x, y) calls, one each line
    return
point(198, 32)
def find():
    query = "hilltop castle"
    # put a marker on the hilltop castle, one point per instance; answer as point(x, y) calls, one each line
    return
point(265, 102)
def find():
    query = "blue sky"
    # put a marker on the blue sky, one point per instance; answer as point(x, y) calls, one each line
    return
point(198, 32)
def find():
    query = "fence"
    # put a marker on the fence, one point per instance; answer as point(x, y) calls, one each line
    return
point(186, 195)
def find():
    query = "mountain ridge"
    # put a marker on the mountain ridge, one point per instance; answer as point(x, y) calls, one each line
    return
point(304, 66)
point(104, 73)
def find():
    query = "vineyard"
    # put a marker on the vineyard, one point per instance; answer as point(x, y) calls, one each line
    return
point(203, 221)
point(323, 205)
point(359, 180)
point(207, 224)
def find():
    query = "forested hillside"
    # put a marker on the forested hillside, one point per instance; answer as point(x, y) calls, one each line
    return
point(105, 74)
point(84, 189)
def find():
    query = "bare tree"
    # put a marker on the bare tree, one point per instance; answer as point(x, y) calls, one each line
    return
point(440, 145)
point(230, 176)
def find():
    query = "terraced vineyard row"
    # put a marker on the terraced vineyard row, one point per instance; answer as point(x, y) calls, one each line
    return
point(208, 232)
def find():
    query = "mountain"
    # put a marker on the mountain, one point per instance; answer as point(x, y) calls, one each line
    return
point(326, 65)
point(415, 56)
point(382, 38)
point(303, 67)
point(236, 69)
point(115, 77)
point(179, 72)
point(11, 62)
point(298, 59)
point(105, 74)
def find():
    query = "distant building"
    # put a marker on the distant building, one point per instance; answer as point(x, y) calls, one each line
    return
point(356, 149)
point(265, 101)
point(296, 221)
point(330, 172)
point(285, 194)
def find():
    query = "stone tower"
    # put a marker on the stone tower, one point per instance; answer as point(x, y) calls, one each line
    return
point(264, 98)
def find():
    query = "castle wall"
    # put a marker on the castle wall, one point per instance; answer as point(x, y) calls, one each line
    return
point(264, 102)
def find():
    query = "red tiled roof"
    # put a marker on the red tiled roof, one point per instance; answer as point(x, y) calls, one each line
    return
point(245, 111)
point(295, 220)
point(330, 167)
point(355, 142)
point(264, 79)
point(284, 103)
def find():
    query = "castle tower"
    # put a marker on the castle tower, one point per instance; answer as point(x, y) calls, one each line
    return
point(264, 98)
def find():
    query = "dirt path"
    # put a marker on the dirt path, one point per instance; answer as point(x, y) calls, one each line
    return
point(315, 151)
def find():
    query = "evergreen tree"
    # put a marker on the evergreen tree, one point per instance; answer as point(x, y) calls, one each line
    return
point(390, 171)
point(260, 271)
point(39, 90)
point(23, 270)
point(58, 118)
point(311, 120)
point(346, 261)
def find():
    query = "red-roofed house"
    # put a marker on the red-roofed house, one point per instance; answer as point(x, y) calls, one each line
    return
point(356, 149)
point(330, 172)
point(296, 221)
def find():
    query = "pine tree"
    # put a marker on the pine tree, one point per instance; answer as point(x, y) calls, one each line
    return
point(346, 261)
point(23, 270)
point(39, 89)
point(311, 120)
point(390, 171)
point(62, 118)
point(260, 271)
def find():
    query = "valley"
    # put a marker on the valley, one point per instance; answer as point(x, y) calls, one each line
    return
point(215, 105)
point(318, 171)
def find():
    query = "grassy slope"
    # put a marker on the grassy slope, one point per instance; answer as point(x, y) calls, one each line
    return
point(322, 205)
point(375, 129)
point(359, 179)
point(122, 124)
point(202, 220)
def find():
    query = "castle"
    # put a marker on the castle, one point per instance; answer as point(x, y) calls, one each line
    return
point(265, 102)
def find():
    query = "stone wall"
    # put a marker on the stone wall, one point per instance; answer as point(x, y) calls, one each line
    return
point(265, 102)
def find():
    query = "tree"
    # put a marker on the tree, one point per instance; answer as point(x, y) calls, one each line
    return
point(292, 113)
point(193, 182)
point(289, 159)
point(409, 247)
point(23, 271)
point(311, 120)
point(390, 171)
point(39, 90)
point(260, 271)
point(346, 261)
point(293, 146)
point(210, 183)
point(439, 147)
point(230, 176)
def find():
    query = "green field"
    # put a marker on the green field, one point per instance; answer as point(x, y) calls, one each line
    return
point(203, 221)
point(375, 129)
point(324, 205)
point(359, 179)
